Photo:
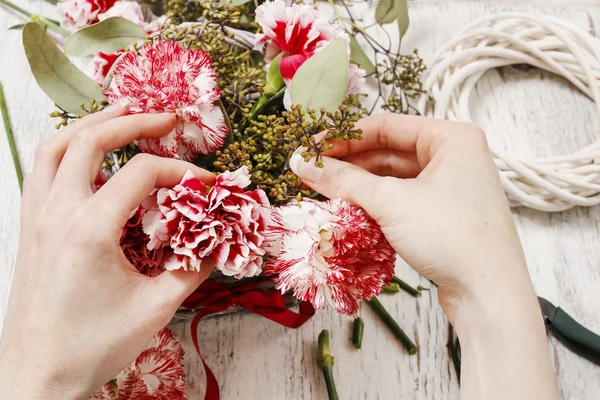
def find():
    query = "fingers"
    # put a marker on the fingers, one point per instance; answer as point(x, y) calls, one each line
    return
point(171, 288)
point(83, 159)
point(384, 131)
point(386, 162)
point(344, 180)
point(49, 154)
point(133, 183)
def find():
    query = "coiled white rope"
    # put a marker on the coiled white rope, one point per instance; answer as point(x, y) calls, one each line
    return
point(547, 184)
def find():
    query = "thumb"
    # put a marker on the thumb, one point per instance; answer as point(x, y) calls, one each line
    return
point(341, 179)
point(177, 285)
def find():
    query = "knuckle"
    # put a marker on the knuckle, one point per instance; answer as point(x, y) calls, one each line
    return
point(43, 152)
point(140, 160)
point(83, 138)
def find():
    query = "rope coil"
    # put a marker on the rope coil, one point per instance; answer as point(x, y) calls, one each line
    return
point(548, 184)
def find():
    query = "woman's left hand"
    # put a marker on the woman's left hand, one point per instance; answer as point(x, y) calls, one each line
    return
point(79, 312)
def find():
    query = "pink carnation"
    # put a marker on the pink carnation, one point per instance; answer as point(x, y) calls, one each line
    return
point(329, 252)
point(132, 11)
point(134, 243)
point(78, 14)
point(156, 374)
point(223, 223)
point(165, 77)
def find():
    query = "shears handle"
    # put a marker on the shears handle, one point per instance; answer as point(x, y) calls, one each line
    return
point(575, 336)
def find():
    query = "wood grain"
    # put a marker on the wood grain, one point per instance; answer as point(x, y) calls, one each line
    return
point(529, 111)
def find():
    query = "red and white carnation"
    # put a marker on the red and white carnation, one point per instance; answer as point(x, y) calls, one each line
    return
point(78, 14)
point(224, 224)
point(134, 243)
point(132, 11)
point(101, 65)
point(163, 76)
point(300, 32)
point(156, 374)
point(329, 252)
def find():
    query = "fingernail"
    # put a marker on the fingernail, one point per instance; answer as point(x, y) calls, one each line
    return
point(305, 170)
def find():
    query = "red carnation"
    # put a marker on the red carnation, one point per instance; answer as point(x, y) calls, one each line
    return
point(81, 13)
point(134, 243)
point(224, 224)
point(329, 252)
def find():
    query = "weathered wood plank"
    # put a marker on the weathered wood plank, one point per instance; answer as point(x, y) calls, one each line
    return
point(531, 112)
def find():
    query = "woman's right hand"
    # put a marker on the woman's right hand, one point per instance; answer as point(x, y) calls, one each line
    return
point(435, 191)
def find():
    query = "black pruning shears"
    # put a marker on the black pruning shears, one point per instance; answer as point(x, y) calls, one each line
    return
point(569, 332)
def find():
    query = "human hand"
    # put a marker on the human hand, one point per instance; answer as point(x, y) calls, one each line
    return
point(448, 218)
point(435, 191)
point(79, 312)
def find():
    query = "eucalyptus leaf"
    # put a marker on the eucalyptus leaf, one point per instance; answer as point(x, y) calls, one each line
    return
point(358, 57)
point(322, 81)
point(274, 81)
point(16, 27)
point(108, 36)
point(388, 11)
point(239, 2)
point(51, 1)
point(62, 81)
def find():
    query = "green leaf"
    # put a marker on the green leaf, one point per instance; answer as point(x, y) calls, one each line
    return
point(239, 2)
point(388, 11)
point(273, 81)
point(322, 81)
point(16, 27)
point(358, 57)
point(62, 81)
point(51, 1)
point(384, 13)
point(108, 36)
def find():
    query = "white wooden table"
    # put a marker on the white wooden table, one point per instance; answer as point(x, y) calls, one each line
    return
point(531, 112)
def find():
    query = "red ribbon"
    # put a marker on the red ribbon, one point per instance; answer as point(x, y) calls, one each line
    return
point(216, 297)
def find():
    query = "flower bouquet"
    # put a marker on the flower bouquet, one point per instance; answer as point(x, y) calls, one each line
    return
point(256, 87)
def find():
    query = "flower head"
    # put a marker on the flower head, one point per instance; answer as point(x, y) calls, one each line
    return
point(101, 64)
point(78, 14)
point(224, 224)
point(299, 31)
point(329, 252)
point(132, 11)
point(165, 77)
point(134, 243)
point(156, 374)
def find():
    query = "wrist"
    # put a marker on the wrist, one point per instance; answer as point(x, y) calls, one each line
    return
point(31, 377)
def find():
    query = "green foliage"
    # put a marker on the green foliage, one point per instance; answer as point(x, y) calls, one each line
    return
point(60, 79)
point(359, 57)
point(322, 81)
point(389, 11)
point(108, 36)
point(268, 142)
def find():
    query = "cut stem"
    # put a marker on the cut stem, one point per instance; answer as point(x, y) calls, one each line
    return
point(37, 18)
point(357, 332)
point(11, 138)
point(325, 360)
point(393, 325)
point(406, 287)
point(392, 288)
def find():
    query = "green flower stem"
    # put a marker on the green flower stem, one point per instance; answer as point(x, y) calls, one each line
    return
point(392, 288)
point(325, 360)
point(45, 22)
point(393, 325)
point(357, 332)
point(11, 138)
point(406, 287)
